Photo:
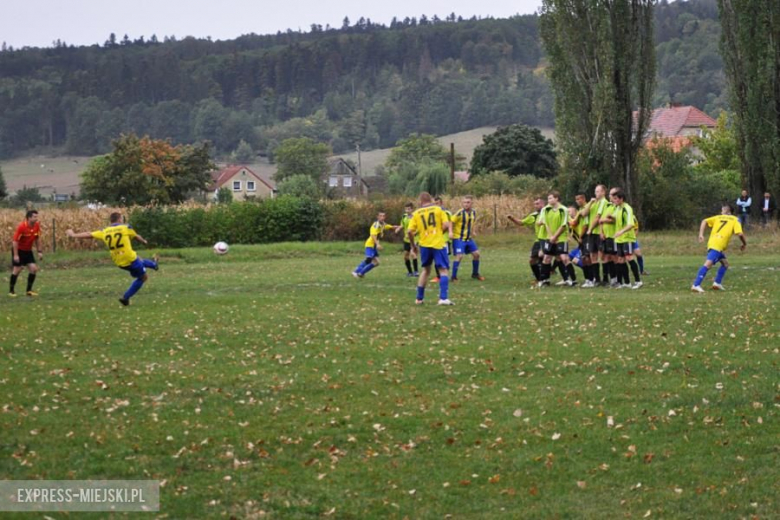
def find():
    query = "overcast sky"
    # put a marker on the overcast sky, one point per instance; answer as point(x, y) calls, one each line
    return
point(37, 23)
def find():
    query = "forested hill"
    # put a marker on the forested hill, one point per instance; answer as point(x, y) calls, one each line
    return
point(363, 83)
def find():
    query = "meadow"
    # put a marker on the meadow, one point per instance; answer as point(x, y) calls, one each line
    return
point(269, 383)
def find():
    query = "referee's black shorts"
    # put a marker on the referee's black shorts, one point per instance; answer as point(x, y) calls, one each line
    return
point(25, 258)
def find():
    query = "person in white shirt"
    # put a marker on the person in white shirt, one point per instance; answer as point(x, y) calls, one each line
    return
point(743, 208)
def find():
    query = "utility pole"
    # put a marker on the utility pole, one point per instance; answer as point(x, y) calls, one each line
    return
point(360, 166)
point(452, 163)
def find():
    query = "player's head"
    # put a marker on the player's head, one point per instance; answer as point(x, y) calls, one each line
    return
point(538, 203)
point(553, 198)
point(572, 211)
point(115, 218)
point(612, 192)
point(467, 202)
point(727, 209)
point(31, 216)
point(381, 216)
point(580, 199)
point(408, 207)
point(425, 198)
point(617, 196)
point(438, 201)
point(601, 190)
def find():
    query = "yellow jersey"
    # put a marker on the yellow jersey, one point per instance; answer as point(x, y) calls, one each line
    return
point(377, 231)
point(428, 226)
point(723, 228)
point(118, 238)
point(463, 224)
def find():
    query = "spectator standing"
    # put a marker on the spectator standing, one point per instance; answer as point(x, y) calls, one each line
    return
point(768, 208)
point(743, 208)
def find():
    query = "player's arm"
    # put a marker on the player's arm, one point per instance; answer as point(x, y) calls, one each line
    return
point(554, 237)
point(140, 239)
point(704, 224)
point(37, 244)
point(83, 234)
point(519, 223)
point(744, 241)
point(585, 211)
point(624, 230)
point(15, 249)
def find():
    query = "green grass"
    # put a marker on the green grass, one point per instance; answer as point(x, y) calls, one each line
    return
point(271, 381)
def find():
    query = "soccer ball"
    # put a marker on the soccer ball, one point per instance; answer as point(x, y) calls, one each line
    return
point(221, 248)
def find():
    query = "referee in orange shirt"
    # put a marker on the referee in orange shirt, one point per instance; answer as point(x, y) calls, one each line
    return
point(27, 235)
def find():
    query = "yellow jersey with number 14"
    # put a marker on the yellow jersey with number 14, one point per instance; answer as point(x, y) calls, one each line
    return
point(118, 238)
point(428, 226)
point(723, 228)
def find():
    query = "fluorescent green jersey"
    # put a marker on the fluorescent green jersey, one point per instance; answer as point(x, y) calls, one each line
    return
point(609, 227)
point(624, 216)
point(552, 219)
point(405, 223)
point(597, 208)
point(531, 221)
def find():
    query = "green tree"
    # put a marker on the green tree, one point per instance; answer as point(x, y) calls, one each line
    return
point(602, 68)
point(244, 152)
point(718, 147)
point(224, 195)
point(300, 185)
point(517, 150)
point(415, 149)
point(144, 170)
point(301, 156)
point(432, 176)
point(27, 195)
point(750, 46)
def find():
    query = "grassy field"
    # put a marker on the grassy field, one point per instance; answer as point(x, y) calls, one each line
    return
point(269, 383)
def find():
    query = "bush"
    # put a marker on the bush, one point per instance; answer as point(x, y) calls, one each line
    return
point(499, 183)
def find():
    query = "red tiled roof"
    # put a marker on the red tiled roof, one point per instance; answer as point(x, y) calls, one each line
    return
point(668, 122)
point(222, 176)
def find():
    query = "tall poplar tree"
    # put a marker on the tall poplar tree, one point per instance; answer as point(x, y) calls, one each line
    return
point(750, 45)
point(602, 70)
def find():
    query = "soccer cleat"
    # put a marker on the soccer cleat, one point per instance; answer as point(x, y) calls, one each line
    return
point(569, 283)
point(543, 283)
point(588, 284)
point(356, 274)
point(637, 285)
point(32, 293)
point(12, 295)
point(410, 275)
point(697, 288)
point(445, 302)
point(418, 302)
point(124, 301)
point(156, 260)
point(416, 274)
point(562, 282)
point(435, 280)
point(454, 279)
point(478, 277)
point(644, 273)
point(717, 287)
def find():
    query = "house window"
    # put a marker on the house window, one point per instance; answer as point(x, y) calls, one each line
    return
point(347, 182)
point(236, 185)
point(333, 181)
point(250, 186)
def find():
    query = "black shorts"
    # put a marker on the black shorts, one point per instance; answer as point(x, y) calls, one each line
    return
point(625, 249)
point(407, 246)
point(25, 257)
point(591, 244)
point(536, 249)
point(609, 247)
point(556, 249)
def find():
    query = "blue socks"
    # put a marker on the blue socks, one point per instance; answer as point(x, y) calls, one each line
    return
point(455, 267)
point(367, 268)
point(721, 274)
point(700, 278)
point(444, 285)
point(151, 264)
point(134, 288)
point(474, 267)
point(641, 261)
point(420, 293)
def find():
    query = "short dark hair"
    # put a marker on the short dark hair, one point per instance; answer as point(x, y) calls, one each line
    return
point(408, 205)
point(556, 194)
point(438, 198)
point(30, 213)
point(115, 217)
point(580, 195)
point(731, 208)
point(619, 194)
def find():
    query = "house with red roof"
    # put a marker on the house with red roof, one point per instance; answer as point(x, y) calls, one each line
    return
point(675, 125)
point(242, 182)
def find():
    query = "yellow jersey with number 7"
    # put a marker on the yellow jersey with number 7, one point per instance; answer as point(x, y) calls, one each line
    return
point(428, 226)
point(723, 228)
point(118, 238)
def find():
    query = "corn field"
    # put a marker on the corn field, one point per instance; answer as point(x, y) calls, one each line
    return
point(491, 217)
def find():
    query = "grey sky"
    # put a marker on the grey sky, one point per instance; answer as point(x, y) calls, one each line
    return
point(84, 22)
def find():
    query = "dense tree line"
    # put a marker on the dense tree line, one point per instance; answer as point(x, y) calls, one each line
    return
point(362, 83)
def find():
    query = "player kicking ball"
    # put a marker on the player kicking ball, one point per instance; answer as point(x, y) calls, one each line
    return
point(724, 226)
point(432, 225)
point(118, 237)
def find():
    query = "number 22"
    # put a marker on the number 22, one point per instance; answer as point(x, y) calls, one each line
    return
point(118, 244)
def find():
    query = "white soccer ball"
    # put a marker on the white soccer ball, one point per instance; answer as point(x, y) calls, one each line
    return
point(221, 248)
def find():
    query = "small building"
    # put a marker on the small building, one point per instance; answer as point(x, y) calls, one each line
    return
point(242, 182)
point(678, 121)
point(343, 181)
